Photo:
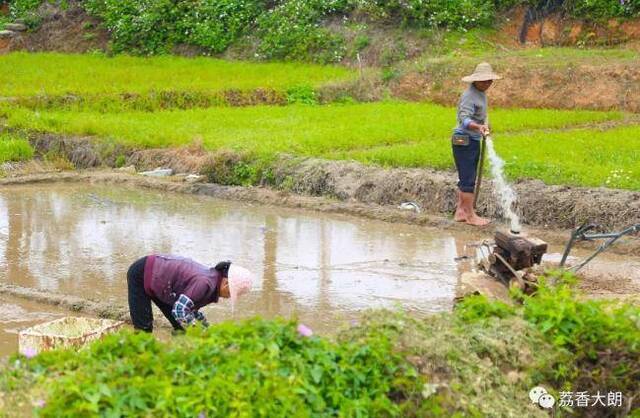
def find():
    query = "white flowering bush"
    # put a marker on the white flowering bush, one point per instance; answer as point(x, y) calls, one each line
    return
point(294, 29)
point(137, 26)
point(216, 24)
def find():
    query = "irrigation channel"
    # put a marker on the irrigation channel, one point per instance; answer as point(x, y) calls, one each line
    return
point(325, 269)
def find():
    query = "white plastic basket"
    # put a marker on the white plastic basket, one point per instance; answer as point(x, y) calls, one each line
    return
point(64, 333)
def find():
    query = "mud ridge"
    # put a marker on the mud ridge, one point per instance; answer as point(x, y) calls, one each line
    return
point(283, 198)
point(154, 100)
point(540, 205)
point(77, 304)
point(72, 303)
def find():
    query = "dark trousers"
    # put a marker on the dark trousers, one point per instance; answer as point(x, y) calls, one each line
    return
point(140, 302)
point(466, 158)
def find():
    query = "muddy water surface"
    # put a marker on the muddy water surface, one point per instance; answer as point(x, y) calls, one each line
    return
point(80, 240)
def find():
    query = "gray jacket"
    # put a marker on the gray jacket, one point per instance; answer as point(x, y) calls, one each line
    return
point(471, 107)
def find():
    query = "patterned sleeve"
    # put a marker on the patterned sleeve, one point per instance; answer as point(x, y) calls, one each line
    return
point(183, 310)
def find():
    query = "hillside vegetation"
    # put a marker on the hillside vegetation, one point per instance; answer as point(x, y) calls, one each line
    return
point(315, 30)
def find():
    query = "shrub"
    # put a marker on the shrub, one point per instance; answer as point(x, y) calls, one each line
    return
point(302, 95)
point(254, 368)
point(19, 8)
point(602, 337)
point(26, 10)
point(121, 160)
point(215, 24)
point(458, 14)
point(602, 9)
point(594, 10)
point(292, 31)
point(137, 26)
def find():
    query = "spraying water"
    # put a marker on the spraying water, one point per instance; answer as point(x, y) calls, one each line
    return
point(506, 195)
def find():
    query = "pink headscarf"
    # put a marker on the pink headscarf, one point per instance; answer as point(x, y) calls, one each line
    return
point(240, 281)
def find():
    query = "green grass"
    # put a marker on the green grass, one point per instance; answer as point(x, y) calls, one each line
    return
point(14, 149)
point(582, 157)
point(25, 74)
point(394, 134)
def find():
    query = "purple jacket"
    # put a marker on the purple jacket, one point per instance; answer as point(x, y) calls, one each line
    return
point(166, 277)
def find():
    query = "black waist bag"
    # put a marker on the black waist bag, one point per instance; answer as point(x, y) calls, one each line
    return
point(460, 139)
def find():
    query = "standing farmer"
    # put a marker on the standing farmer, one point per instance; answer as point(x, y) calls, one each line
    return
point(180, 287)
point(472, 126)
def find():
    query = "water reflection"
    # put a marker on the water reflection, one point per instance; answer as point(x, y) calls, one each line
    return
point(80, 239)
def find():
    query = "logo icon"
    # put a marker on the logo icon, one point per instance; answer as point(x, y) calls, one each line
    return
point(540, 396)
point(546, 401)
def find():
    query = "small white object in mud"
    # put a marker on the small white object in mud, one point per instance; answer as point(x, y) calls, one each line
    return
point(194, 178)
point(158, 172)
point(410, 206)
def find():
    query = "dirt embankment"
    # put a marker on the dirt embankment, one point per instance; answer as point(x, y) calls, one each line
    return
point(612, 87)
point(67, 29)
point(555, 29)
point(539, 205)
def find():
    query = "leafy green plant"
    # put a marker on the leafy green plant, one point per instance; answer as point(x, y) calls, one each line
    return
point(361, 42)
point(291, 30)
point(25, 10)
point(602, 337)
point(302, 95)
point(257, 368)
point(596, 10)
point(121, 160)
point(137, 27)
point(480, 308)
point(215, 24)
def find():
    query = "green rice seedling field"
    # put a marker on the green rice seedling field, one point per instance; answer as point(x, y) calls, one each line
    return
point(557, 146)
point(24, 74)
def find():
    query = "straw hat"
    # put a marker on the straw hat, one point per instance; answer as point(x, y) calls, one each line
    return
point(483, 72)
point(240, 281)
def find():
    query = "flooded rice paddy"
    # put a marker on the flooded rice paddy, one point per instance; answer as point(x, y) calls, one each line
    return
point(79, 239)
